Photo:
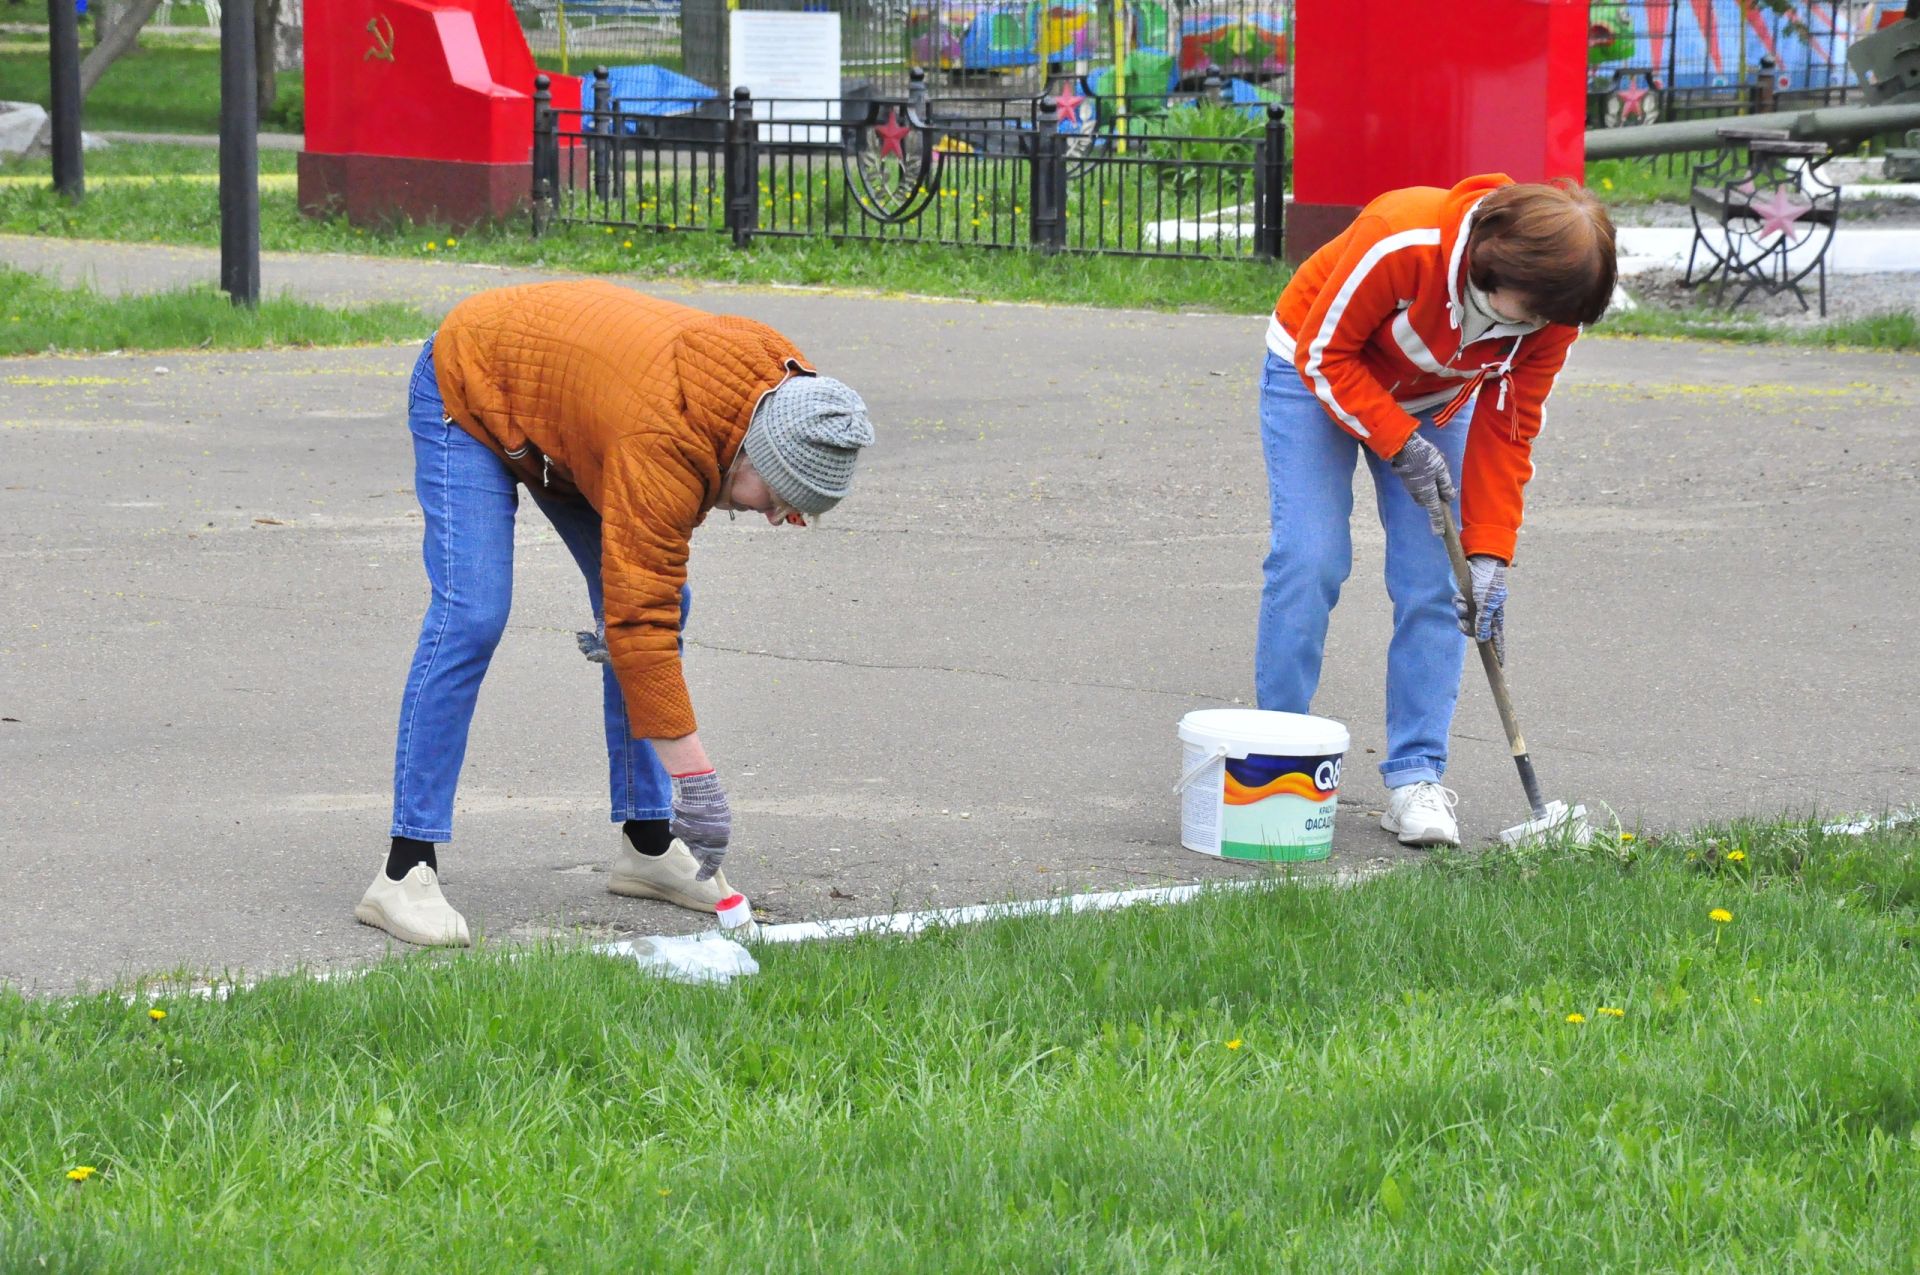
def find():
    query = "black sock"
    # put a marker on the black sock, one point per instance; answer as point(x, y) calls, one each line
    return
point(650, 837)
point(408, 854)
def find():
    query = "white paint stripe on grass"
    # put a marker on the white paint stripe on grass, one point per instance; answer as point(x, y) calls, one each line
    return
point(714, 957)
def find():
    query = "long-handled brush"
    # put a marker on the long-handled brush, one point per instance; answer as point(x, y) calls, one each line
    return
point(1553, 818)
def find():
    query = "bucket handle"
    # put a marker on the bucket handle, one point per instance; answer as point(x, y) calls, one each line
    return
point(1219, 751)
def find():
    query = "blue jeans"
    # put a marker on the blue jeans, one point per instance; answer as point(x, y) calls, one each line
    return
point(470, 499)
point(1310, 464)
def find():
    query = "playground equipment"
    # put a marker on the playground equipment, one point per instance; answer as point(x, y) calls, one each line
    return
point(418, 108)
point(1007, 35)
point(1409, 95)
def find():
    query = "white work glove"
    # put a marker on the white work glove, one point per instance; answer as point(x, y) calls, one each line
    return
point(1424, 471)
point(1486, 619)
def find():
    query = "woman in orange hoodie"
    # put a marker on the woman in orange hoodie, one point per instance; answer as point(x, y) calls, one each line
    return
point(627, 418)
point(1427, 337)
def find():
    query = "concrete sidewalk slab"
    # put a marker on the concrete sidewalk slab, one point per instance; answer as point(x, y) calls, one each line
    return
point(963, 688)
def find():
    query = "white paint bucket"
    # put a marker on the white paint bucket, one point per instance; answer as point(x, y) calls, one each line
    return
point(1258, 785)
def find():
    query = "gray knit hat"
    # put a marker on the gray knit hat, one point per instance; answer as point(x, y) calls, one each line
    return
point(804, 440)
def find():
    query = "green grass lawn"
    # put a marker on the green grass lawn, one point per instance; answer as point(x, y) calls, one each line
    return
point(163, 86)
point(1686, 1056)
point(186, 212)
point(37, 316)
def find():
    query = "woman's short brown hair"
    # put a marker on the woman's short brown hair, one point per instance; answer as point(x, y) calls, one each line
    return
point(1552, 243)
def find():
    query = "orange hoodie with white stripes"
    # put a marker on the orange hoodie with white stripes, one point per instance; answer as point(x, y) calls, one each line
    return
point(1372, 322)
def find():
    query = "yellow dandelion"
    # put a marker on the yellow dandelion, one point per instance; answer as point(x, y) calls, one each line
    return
point(626, 243)
point(1576, 1018)
point(1756, 1000)
point(1626, 836)
point(1720, 916)
point(1611, 1012)
point(1606, 183)
point(156, 1014)
point(452, 242)
point(607, 230)
point(432, 246)
point(1736, 856)
point(666, 1191)
point(81, 1172)
point(1235, 1043)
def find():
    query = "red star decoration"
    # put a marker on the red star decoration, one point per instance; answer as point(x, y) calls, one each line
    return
point(1631, 98)
point(1779, 214)
point(1069, 103)
point(893, 135)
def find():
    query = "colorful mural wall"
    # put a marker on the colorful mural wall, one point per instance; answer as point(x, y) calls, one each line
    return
point(1720, 43)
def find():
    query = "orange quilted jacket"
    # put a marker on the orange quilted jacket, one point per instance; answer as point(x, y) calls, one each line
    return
point(637, 404)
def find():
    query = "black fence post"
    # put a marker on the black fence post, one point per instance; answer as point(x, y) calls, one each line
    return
point(63, 44)
point(546, 154)
point(917, 93)
point(742, 170)
point(239, 156)
point(1270, 188)
point(1764, 84)
point(603, 128)
point(1047, 180)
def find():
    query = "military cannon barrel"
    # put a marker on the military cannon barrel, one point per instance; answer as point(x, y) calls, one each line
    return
point(1826, 124)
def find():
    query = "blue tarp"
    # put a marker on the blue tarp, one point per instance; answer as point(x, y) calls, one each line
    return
point(652, 90)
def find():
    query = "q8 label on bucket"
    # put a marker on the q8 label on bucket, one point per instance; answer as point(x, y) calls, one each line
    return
point(1279, 809)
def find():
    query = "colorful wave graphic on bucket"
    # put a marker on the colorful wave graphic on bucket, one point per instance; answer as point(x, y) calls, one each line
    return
point(1294, 785)
point(1278, 809)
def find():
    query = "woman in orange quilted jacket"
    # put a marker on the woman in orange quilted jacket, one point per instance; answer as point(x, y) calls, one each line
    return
point(1426, 337)
point(627, 419)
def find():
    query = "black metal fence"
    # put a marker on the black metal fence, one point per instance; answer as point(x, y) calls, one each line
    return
point(1190, 178)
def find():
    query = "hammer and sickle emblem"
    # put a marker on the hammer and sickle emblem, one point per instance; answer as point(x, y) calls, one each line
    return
point(382, 32)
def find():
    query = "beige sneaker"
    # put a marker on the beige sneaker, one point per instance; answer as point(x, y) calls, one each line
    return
point(413, 910)
point(667, 876)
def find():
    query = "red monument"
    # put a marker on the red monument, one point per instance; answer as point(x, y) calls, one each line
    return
point(1391, 93)
point(419, 108)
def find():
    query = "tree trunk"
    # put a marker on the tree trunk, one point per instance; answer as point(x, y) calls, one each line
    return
point(123, 35)
point(266, 17)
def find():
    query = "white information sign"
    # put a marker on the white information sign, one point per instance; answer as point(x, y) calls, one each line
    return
point(790, 62)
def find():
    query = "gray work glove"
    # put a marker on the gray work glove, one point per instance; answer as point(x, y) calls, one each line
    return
point(1486, 619)
point(593, 645)
point(702, 819)
point(1424, 471)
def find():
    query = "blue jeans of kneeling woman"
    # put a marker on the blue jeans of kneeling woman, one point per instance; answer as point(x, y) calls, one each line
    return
point(1310, 463)
point(470, 500)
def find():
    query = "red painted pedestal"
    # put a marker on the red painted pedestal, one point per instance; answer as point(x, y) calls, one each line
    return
point(420, 109)
point(1391, 94)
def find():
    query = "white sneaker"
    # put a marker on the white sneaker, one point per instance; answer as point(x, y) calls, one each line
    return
point(412, 909)
point(1422, 815)
point(668, 876)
